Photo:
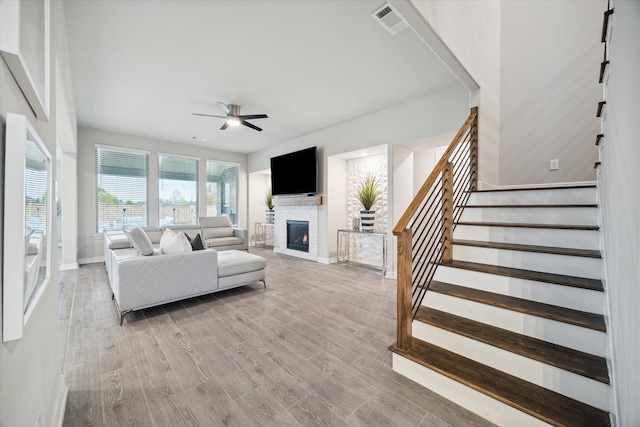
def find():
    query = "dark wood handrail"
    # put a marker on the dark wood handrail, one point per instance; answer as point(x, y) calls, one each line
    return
point(430, 219)
point(433, 177)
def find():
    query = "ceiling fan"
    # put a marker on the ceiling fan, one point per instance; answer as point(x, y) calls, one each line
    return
point(234, 118)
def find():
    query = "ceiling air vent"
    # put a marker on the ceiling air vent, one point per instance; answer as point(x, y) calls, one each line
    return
point(390, 19)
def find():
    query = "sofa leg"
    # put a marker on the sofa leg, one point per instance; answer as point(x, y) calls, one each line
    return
point(122, 314)
point(264, 282)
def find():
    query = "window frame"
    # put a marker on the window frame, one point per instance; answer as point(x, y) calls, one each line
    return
point(197, 181)
point(234, 220)
point(95, 186)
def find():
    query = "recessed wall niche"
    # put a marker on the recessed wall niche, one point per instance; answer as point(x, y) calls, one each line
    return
point(362, 249)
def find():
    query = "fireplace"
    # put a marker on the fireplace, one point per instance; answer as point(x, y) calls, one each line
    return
point(298, 235)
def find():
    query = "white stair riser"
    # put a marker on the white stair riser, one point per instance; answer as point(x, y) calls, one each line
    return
point(542, 197)
point(560, 333)
point(567, 383)
point(470, 399)
point(577, 239)
point(527, 215)
point(549, 293)
point(548, 263)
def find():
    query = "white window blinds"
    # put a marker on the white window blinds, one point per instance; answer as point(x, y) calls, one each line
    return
point(178, 190)
point(122, 188)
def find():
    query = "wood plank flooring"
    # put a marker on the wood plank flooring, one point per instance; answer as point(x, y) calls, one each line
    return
point(310, 350)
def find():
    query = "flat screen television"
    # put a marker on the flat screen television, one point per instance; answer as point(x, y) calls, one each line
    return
point(295, 173)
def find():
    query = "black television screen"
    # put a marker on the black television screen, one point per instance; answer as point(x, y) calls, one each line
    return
point(295, 173)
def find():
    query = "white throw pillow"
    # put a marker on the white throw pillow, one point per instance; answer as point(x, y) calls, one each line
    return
point(139, 240)
point(172, 243)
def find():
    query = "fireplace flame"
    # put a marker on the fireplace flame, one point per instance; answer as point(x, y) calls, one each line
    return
point(305, 240)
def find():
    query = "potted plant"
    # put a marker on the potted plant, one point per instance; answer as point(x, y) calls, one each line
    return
point(368, 192)
point(268, 201)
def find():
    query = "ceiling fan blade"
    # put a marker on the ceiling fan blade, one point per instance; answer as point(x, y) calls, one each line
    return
point(209, 115)
point(224, 126)
point(254, 127)
point(224, 108)
point(253, 116)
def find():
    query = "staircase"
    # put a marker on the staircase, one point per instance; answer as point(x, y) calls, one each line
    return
point(512, 325)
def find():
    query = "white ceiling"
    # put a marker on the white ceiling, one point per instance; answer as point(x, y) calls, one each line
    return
point(141, 67)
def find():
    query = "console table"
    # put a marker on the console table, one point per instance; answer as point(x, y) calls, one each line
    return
point(261, 233)
point(343, 245)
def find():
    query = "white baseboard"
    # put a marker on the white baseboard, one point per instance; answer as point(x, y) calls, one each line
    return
point(70, 266)
point(62, 403)
point(93, 260)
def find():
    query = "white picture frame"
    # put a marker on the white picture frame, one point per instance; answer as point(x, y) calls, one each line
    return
point(25, 28)
point(16, 307)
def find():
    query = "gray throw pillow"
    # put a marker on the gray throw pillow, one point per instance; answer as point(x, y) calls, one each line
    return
point(139, 240)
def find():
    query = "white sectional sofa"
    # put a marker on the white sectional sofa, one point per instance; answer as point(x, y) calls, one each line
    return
point(139, 281)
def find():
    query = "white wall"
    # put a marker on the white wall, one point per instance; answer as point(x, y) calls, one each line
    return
point(471, 30)
point(537, 66)
point(336, 202)
point(439, 113)
point(259, 182)
point(89, 245)
point(550, 63)
point(620, 201)
point(31, 381)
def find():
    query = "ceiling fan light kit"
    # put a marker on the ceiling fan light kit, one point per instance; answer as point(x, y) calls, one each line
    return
point(234, 118)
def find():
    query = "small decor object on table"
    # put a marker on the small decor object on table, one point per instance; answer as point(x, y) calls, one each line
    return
point(355, 224)
point(268, 201)
point(367, 193)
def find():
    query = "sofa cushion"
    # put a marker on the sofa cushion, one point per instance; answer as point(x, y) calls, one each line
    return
point(139, 240)
point(154, 233)
point(119, 242)
point(172, 242)
point(217, 232)
point(223, 241)
point(27, 236)
point(214, 221)
point(237, 262)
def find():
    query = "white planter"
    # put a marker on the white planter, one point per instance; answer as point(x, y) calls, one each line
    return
point(367, 219)
point(270, 216)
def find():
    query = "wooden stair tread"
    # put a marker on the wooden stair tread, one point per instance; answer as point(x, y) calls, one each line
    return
point(530, 206)
point(544, 404)
point(534, 308)
point(578, 362)
point(530, 225)
point(586, 253)
point(559, 187)
point(558, 279)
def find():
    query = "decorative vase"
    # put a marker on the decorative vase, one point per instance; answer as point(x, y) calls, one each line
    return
point(355, 224)
point(270, 216)
point(366, 220)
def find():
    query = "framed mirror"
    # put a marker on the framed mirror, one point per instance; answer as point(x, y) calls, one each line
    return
point(27, 224)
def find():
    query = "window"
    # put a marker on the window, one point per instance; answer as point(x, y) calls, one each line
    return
point(178, 190)
point(222, 190)
point(122, 188)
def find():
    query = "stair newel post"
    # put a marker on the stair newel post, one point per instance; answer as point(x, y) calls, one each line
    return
point(404, 284)
point(473, 148)
point(447, 211)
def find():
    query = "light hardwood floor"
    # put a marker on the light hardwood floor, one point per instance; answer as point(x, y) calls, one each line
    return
point(310, 350)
